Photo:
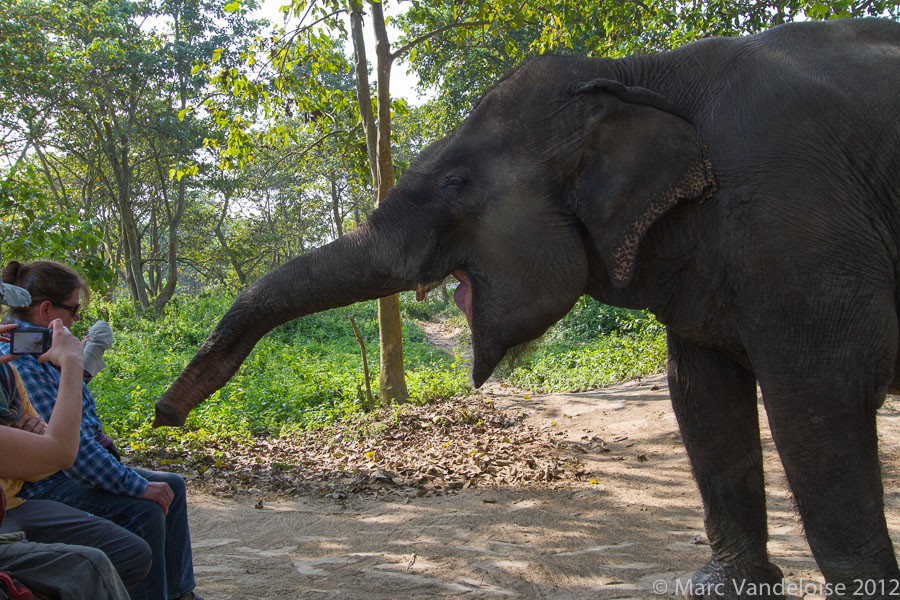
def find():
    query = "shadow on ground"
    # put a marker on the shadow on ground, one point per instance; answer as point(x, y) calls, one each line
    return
point(633, 530)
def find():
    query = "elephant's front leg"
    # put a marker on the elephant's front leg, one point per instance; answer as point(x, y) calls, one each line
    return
point(715, 403)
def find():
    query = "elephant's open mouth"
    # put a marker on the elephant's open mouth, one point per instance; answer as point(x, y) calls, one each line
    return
point(463, 294)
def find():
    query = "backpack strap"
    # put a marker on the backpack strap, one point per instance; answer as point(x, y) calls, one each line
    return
point(13, 588)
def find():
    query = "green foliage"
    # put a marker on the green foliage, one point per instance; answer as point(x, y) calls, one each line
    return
point(301, 375)
point(282, 87)
point(429, 310)
point(308, 372)
point(593, 346)
point(34, 227)
point(478, 42)
point(99, 94)
point(604, 362)
point(590, 319)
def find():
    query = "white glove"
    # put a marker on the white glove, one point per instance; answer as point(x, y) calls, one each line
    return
point(100, 337)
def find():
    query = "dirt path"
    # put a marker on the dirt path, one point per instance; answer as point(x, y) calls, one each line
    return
point(632, 527)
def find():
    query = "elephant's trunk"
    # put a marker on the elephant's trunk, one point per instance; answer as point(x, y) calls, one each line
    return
point(359, 266)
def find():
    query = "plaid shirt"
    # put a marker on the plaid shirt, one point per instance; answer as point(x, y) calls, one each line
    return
point(94, 466)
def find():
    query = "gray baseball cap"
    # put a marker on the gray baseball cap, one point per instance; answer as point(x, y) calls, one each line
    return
point(13, 295)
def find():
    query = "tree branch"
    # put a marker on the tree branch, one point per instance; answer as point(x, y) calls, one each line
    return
point(364, 97)
point(410, 45)
point(385, 166)
point(370, 402)
point(310, 147)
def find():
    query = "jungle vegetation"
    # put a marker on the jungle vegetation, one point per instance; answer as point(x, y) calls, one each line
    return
point(173, 151)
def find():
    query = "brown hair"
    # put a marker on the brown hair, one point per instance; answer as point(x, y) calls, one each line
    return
point(44, 280)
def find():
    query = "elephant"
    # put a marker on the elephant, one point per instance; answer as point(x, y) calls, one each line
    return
point(745, 190)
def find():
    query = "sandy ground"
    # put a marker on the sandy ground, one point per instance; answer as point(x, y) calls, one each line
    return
point(634, 530)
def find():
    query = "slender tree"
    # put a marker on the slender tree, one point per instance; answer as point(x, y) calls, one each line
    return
point(392, 384)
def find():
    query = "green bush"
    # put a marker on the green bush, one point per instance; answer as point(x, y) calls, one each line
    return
point(594, 345)
point(605, 361)
point(428, 310)
point(300, 375)
point(309, 371)
point(589, 319)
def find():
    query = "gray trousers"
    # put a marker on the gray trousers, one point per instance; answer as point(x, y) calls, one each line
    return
point(63, 572)
point(51, 522)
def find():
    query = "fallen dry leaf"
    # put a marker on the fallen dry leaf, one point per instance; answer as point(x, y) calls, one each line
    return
point(409, 451)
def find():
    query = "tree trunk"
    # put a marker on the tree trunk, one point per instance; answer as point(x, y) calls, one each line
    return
point(132, 240)
point(370, 402)
point(133, 268)
point(223, 241)
point(392, 386)
point(125, 248)
point(174, 214)
point(117, 150)
point(174, 217)
point(336, 206)
point(153, 273)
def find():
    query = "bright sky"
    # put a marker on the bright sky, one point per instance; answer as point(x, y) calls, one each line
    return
point(402, 85)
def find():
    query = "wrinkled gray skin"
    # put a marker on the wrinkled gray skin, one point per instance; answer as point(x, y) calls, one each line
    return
point(747, 191)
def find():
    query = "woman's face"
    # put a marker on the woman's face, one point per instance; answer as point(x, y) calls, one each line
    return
point(43, 313)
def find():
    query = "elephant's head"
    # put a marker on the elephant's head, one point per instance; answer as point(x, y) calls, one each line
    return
point(556, 165)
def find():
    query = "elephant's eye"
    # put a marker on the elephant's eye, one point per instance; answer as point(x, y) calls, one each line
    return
point(454, 182)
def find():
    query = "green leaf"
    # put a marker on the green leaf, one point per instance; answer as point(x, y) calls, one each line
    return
point(232, 7)
point(217, 54)
point(182, 113)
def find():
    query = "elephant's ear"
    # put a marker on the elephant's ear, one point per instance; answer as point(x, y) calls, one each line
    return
point(639, 158)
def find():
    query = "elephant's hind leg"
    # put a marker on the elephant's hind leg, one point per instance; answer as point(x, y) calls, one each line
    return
point(824, 355)
point(894, 385)
point(827, 440)
point(715, 402)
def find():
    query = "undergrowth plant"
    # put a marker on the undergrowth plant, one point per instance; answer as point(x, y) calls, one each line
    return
point(308, 372)
point(300, 375)
point(595, 345)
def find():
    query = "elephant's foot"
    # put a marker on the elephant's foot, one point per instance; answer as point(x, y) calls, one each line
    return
point(721, 581)
point(850, 587)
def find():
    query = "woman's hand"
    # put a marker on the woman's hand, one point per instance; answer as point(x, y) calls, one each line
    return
point(4, 329)
point(66, 351)
point(32, 423)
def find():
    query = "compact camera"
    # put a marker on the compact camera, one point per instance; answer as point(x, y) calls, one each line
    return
point(30, 340)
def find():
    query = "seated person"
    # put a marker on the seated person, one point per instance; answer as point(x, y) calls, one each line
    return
point(51, 522)
point(151, 504)
point(56, 570)
point(62, 571)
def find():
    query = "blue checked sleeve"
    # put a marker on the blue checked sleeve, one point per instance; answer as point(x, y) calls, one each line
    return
point(94, 466)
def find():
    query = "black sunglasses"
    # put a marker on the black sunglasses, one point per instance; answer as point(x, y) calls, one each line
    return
point(72, 309)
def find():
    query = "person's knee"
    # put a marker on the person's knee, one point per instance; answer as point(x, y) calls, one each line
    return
point(174, 480)
point(85, 554)
point(145, 517)
point(133, 561)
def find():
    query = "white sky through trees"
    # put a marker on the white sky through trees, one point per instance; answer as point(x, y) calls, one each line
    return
point(402, 84)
